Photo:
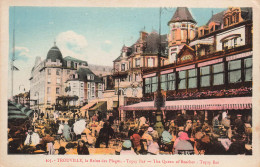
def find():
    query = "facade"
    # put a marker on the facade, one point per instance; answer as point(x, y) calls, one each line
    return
point(182, 30)
point(49, 80)
point(212, 73)
point(143, 54)
point(85, 85)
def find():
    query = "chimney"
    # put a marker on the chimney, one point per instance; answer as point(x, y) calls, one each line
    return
point(143, 35)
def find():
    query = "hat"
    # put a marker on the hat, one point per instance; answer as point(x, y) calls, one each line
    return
point(70, 145)
point(127, 144)
point(150, 129)
point(184, 136)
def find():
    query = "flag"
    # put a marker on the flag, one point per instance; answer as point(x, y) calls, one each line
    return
point(15, 68)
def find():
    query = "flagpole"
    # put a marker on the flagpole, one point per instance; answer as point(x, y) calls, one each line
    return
point(13, 58)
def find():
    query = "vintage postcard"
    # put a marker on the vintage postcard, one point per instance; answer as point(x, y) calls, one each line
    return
point(129, 83)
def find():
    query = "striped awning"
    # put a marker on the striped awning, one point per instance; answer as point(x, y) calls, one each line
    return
point(87, 106)
point(235, 103)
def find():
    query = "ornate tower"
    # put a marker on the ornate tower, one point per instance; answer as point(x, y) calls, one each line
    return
point(182, 31)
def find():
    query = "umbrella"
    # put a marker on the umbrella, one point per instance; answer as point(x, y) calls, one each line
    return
point(79, 126)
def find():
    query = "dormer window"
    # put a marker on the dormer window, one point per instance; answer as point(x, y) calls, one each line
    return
point(88, 77)
point(92, 77)
point(123, 67)
point(68, 63)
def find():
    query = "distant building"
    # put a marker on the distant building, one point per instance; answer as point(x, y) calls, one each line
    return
point(51, 77)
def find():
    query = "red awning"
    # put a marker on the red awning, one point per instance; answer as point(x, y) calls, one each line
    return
point(235, 103)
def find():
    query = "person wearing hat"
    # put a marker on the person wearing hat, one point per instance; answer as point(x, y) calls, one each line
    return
point(167, 139)
point(32, 138)
point(182, 144)
point(153, 132)
point(153, 147)
point(127, 148)
point(216, 123)
point(136, 139)
point(66, 131)
point(239, 124)
point(82, 148)
point(70, 149)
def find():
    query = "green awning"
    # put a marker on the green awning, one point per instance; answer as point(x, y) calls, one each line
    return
point(100, 106)
point(115, 103)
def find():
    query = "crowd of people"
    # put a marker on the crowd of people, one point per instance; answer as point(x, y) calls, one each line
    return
point(186, 134)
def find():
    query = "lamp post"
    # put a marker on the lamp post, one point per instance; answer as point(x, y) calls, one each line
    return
point(158, 102)
point(38, 102)
point(113, 71)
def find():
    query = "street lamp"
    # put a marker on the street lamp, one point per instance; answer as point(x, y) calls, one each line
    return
point(38, 104)
point(159, 102)
point(113, 71)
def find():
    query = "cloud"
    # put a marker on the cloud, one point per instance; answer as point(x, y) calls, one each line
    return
point(106, 46)
point(22, 53)
point(108, 42)
point(72, 44)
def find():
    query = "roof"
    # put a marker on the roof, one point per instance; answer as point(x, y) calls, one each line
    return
point(121, 54)
point(217, 18)
point(152, 42)
point(182, 14)
point(246, 13)
point(82, 75)
point(54, 54)
point(68, 58)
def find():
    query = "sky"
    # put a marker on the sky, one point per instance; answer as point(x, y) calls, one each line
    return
point(93, 34)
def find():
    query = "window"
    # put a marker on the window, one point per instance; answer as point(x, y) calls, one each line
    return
point(192, 78)
point(129, 65)
point(92, 77)
point(49, 100)
point(48, 90)
point(58, 80)
point(136, 77)
point(137, 62)
point(75, 65)
point(88, 85)
point(164, 82)
point(150, 62)
point(99, 86)
point(49, 71)
point(81, 84)
point(225, 45)
point(57, 90)
point(182, 34)
point(58, 72)
point(88, 77)
point(205, 76)
point(68, 63)
point(154, 83)
point(122, 67)
point(171, 81)
point(218, 74)
point(248, 69)
point(234, 71)
point(147, 85)
point(49, 80)
point(182, 79)
point(93, 91)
